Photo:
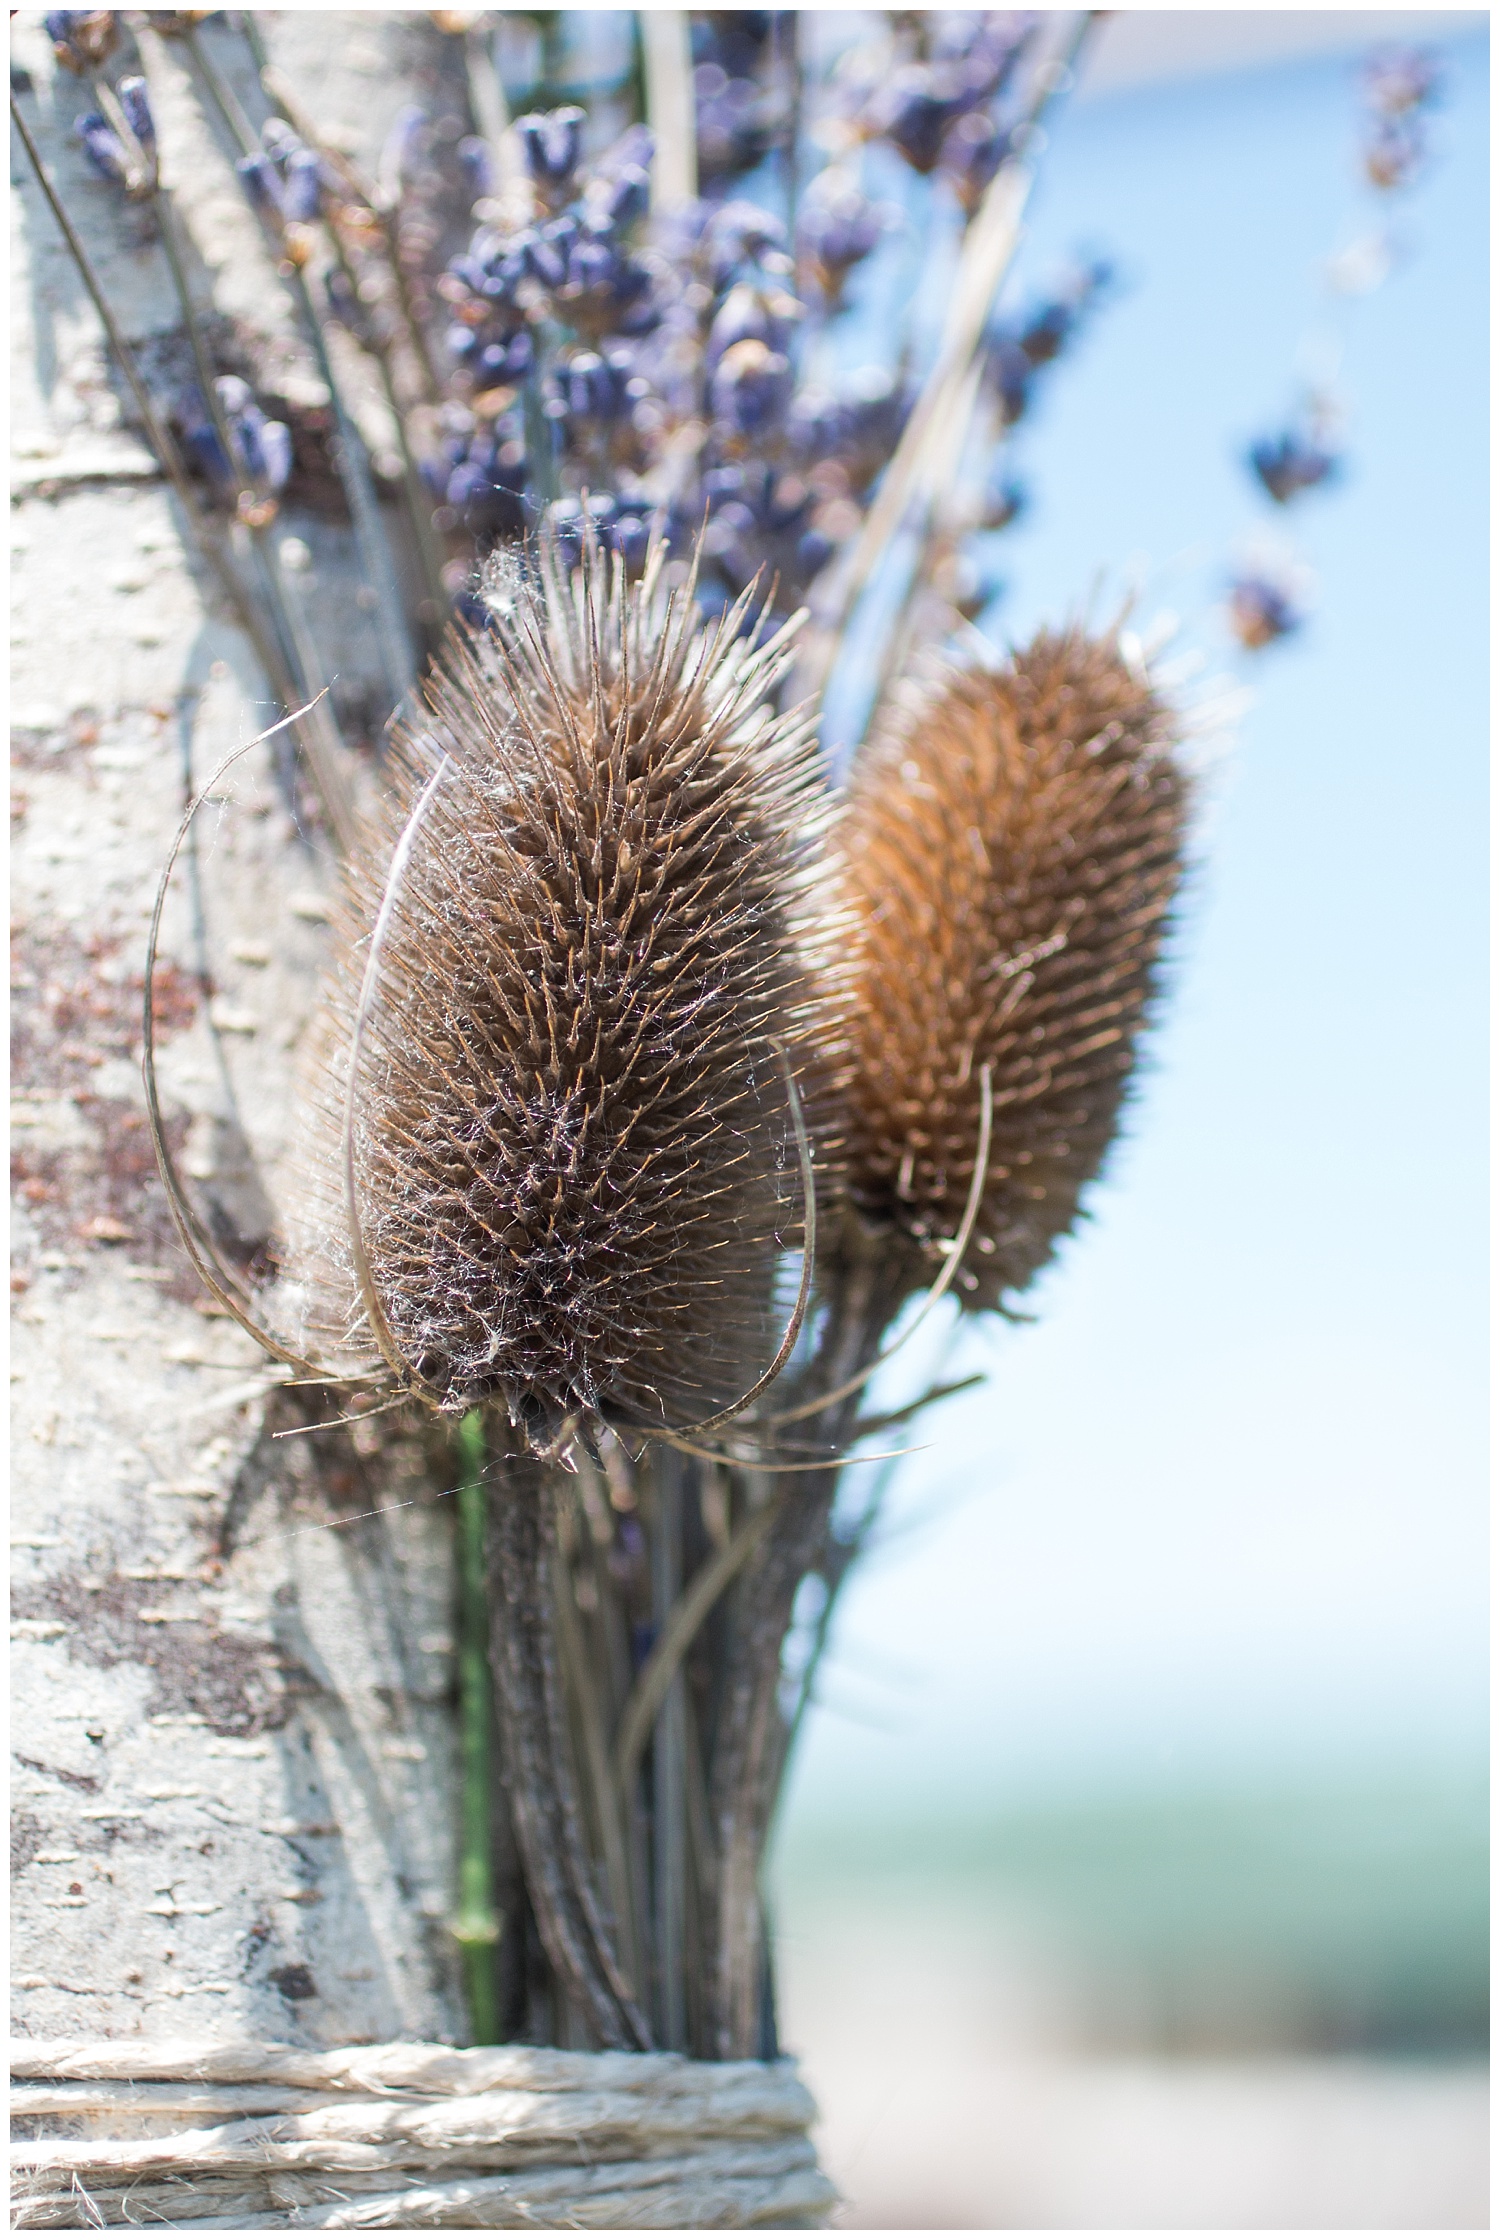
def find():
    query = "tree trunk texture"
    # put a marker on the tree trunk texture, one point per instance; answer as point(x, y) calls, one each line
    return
point(234, 1777)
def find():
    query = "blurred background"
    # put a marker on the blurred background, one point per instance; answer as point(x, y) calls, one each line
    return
point(1133, 1871)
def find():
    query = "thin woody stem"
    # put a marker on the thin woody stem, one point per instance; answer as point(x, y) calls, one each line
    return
point(476, 1925)
point(545, 1806)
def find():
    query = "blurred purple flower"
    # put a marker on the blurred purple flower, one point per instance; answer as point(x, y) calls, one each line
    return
point(751, 390)
point(1261, 611)
point(1290, 463)
point(135, 100)
point(102, 147)
point(552, 144)
point(82, 38)
point(837, 228)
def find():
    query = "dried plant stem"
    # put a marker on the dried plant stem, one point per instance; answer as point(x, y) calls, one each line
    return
point(936, 428)
point(397, 653)
point(205, 534)
point(670, 110)
point(749, 1738)
point(418, 506)
point(476, 1926)
point(284, 102)
point(545, 1803)
point(668, 1802)
point(676, 1636)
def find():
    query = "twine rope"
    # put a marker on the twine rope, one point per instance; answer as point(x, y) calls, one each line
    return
point(251, 2136)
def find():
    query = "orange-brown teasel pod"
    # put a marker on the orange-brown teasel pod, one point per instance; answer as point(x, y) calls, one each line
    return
point(1010, 848)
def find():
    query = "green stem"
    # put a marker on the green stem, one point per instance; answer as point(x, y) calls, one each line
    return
point(476, 1927)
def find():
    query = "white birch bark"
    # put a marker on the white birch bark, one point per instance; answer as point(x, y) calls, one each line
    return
point(233, 1747)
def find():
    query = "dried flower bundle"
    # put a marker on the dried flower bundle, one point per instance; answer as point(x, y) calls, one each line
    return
point(1009, 854)
point(574, 1154)
point(610, 928)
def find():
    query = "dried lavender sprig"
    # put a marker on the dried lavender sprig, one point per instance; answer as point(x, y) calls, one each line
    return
point(989, 246)
point(398, 654)
point(326, 775)
point(280, 95)
point(319, 732)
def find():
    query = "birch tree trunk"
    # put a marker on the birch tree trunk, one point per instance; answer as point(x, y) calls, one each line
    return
point(234, 1747)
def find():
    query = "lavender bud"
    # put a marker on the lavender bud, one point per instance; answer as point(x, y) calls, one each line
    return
point(836, 229)
point(276, 453)
point(552, 144)
point(627, 199)
point(914, 112)
point(750, 314)
point(631, 538)
point(101, 146)
point(1290, 463)
point(1396, 79)
point(504, 362)
point(593, 387)
point(740, 233)
point(479, 168)
point(402, 150)
point(1262, 612)
point(546, 250)
point(136, 103)
point(82, 38)
point(302, 194)
point(972, 153)
point(751, 388)
point(261, 182)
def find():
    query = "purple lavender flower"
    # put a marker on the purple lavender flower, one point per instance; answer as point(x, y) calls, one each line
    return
point(620, 199)
point(481, 479)
point(302, 190)
point(479, 167)
point(82, 38)
point(262, 182)
point(837, 228)
point(136, 103)
point(262, 448)
point(914, 109)
point(1290, 463)
point(740, 236)
point(594, 387)
point(751, 314)
point(734, 125)
point(552, 144)
point(1398, 80)
point(1394, 153)
point(101, 145)
point(1262, 611)
point(972, 153)
point(1016, 347)
point(750, 390)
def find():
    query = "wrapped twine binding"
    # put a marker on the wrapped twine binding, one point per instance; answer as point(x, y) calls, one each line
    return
point(250, 2136)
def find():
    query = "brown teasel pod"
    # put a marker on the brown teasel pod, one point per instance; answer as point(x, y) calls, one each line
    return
point(574, 994)
point(1009, 849)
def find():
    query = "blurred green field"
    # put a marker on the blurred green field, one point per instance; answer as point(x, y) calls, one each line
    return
point(1349, 1916)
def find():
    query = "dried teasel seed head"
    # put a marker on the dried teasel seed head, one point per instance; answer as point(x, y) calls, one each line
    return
point(573, 1154)
point(1009, 853)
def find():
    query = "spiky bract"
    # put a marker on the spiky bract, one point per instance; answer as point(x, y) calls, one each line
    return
point(1010, 851)
point(573, 1151)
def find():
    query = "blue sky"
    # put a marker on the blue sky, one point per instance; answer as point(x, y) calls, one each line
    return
point(1223, 1507)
